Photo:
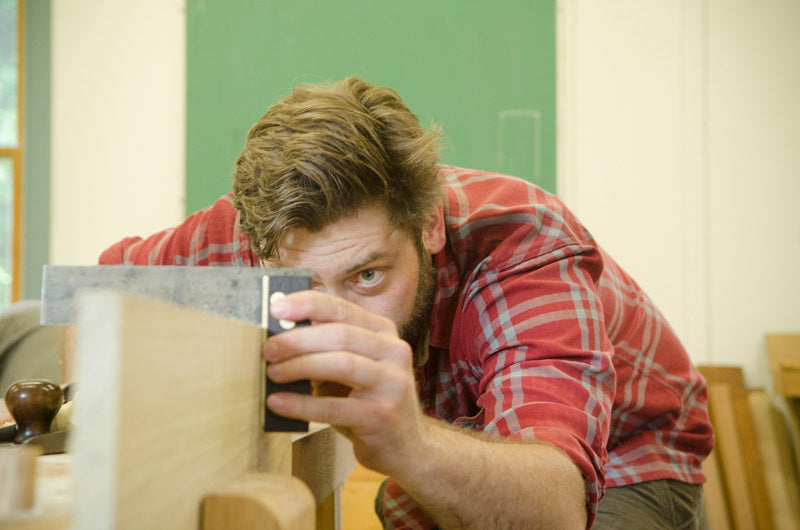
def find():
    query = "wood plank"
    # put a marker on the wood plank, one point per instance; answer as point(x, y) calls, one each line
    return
point(326, 513)
point(783, 351)
point(260, 501)
point(732, 465)
point(322, 459)
point(756, 484)
point(715, 497)
point(168, 410)
point(793, 424)
point(789, 459)
point(35, 522)
point(17, 474)
point(780, 478)
point(733, 378)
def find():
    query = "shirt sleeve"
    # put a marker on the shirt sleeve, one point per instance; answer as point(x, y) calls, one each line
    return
point(537, 331)
point(209, 237)
point(396, 509)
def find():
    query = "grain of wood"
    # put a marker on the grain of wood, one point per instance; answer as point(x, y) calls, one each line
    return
point(169, 410)
point(260, 501)
point(17, 477)
point(780, 479)
point(783, 351)
point(714, 497)
point(732, 465)
point(754, 467)
point(737, 415)
point(323, 459)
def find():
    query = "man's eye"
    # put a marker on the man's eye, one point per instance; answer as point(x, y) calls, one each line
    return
point(368, 276)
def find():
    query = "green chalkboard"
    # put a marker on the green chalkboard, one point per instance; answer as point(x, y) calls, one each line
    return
point(483, 71)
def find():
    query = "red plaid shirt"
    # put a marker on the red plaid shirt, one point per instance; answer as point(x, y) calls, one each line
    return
point(535, 333)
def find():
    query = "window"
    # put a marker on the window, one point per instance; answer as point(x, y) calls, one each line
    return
point(10, 149)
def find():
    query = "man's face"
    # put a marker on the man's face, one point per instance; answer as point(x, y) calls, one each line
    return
point(365, 260)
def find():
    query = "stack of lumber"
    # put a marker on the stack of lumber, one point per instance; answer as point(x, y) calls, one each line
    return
point(752, 472)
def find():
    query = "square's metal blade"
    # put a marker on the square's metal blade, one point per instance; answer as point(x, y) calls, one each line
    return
point(232, 292)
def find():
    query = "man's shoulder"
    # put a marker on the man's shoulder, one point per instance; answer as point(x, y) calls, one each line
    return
point(224, 207)
point(479, 190)
point(218, 220)
point(500, 223)
point(454, 176)
point(210, 236)
point(476, 199)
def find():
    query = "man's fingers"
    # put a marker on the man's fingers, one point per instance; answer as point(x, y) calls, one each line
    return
point(5, 416)
point(334, 337)
point(340, 367)
point(320, 307)
point(342, 412)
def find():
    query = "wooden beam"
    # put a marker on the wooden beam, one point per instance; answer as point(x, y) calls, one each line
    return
point(168, 410)
point(736, 440)
point(776, 456)
point(783, 351)
point(732, 460)
point(260, 501)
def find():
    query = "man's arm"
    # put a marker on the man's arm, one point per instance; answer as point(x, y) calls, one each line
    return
point(462, 480)
point(465, 480)
point(208, 237)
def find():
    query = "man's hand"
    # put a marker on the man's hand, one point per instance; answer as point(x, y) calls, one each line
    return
point(364, 387)
point(362, 372)
point(5, 416)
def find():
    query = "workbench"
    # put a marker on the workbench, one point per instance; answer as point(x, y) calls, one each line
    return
point(167, 434)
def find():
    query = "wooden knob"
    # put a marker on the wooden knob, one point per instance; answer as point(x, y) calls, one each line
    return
point(33, 403)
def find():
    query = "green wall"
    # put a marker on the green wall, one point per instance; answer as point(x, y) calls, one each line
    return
point(36, 163)
point(484, 71)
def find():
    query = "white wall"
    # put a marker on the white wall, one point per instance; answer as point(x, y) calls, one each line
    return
point(679, 127)
point(118, 120)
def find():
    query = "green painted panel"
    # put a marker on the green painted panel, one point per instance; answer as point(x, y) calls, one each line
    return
point(483, 71)
point(36, 164)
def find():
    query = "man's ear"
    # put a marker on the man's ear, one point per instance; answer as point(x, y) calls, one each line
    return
point(433, 234)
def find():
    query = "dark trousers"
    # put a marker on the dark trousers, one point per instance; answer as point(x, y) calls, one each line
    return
point(658, 504)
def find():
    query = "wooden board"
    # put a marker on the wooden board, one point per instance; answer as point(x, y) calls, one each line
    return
point(168, 411)
point(264, 501)
point(792, 406)
point(17, 473)
point(784, 361)
point(714, 495)
point(322, 459)
point(754, 467)
point(146, 428)
point(732, 460)
point(778, 467)
point(737, 447)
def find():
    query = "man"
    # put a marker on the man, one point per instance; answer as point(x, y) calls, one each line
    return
point(470, 337)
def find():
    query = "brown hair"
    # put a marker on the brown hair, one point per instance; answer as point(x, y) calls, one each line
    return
point(325, 152)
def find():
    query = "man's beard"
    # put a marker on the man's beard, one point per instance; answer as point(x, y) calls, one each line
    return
point(417, 322)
